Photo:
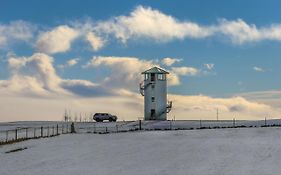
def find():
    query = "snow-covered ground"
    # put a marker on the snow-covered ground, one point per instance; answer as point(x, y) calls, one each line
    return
point(224, 151)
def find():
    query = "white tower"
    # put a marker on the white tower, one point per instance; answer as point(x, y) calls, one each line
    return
point(154, 90)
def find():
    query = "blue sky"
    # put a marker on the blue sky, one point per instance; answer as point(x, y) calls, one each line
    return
point(240, 39)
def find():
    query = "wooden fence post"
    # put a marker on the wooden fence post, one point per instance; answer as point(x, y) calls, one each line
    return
point(116, 128)
point(200, 123)
point(140, 125)
point(16, 134)
point(34, 135)
point(48, 130)
point(57, 129)
point(41, 131)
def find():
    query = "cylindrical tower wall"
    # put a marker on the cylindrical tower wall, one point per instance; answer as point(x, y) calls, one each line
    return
point(155, 98)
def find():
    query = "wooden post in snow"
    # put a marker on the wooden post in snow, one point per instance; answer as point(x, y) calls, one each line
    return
point(57, 129)
point(41, 131)
point(16, 134)
point(140, 125)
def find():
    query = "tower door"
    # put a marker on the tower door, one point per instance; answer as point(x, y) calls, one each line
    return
point(152, 77)
point(152, 114)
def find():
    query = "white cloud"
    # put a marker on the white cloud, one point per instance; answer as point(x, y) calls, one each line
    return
point(150, 23)
point(69, 63)
point(141, 23)
point(258, 69)
point(145, 22)
point(204, 107)
point(57, 40)
point(16, 31)
point(239, 31)
point(185, 107)
point(170, 61)
point(269, 97)
point(209, 66)
point(189, 71)
point(126, 71)
point(36, 76)
point(96, 42)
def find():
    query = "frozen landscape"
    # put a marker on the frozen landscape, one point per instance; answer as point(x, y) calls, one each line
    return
point(215, 151)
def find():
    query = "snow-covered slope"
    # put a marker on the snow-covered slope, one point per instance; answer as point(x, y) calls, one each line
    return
point(222, 151)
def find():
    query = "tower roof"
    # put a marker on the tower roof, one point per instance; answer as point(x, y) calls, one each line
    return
point(155, 70)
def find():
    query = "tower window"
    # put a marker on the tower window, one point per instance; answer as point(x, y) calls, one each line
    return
point(161, 76)
point(145, 76)
point(152, 99)
point(152, 86)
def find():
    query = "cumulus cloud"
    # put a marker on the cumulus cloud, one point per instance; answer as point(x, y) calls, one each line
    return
point(258, 69)
point(141, 23)
point(69, 63)
point(57, 40)
point(170, 61)
point(151, 23)
point(239, 31)
point(145, 22)
point(36, 76)
point(189, 71)
point(16, 31)
point(96, 42)
point(126, 71)
point(269, 97)
point(205, 106)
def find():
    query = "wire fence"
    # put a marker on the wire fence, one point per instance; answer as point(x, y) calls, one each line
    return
point(26, 133)
point(110, 127)
point(16, 134)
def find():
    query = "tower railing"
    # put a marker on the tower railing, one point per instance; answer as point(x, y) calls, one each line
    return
point(143, 87)
point(169, 106)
